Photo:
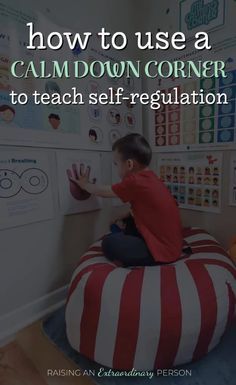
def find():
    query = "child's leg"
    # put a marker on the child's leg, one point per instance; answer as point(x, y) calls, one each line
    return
point(130, 250)
point(115, 229)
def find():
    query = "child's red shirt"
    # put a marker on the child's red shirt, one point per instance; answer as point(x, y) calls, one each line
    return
point(155, 212)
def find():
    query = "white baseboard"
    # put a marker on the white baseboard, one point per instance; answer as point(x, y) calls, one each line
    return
point(22, 317)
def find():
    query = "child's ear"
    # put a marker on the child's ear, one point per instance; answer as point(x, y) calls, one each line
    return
point(130, 164)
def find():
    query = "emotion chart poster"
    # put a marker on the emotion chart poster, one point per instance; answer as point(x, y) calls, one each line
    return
point(232, 198)
point(193, 179)
point(45, 125)
point(107, 123)
point(62, 125)
point(25, 188)
point(72, 164)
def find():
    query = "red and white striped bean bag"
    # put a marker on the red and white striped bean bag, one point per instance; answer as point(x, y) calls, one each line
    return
point(151, 317)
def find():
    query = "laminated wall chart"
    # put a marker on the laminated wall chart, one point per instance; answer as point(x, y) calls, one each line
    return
point(82, 127)
point(30, 124)
point(189, 127)
point(25, 188)
point(184, 135)
point(194, 179)
point(197, 127)
point(108, 123)
point(62, 126)
point(232, 197)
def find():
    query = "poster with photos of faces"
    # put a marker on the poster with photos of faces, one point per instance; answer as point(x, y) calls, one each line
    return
point(232, 198)
point(73, 126)
point(194, 180)
point(108, 122)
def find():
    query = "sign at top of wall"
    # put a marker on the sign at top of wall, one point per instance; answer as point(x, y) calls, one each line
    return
point(196, 15)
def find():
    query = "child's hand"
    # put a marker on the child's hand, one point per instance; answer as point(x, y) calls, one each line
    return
point(81, 178)
point(81, 188)
point(78, 181)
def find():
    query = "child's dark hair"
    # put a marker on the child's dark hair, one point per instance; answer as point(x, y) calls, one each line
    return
point(5, 107)
point(54, 116)
point(134, 146)
point(92, 132)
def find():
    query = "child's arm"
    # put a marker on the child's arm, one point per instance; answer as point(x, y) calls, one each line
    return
point(101, 191)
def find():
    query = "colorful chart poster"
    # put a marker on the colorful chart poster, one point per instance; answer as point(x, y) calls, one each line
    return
point(33, 124)
point(107, 123)
point(25, 188)
point(232, 185)
point(184, 127)
point(84, 126)
point(72, 164)
point(194, 180)
point(188, 126)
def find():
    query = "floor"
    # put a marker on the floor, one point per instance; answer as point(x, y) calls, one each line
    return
point(27, 360)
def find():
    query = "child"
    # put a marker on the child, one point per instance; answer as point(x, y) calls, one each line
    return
point(155, 233)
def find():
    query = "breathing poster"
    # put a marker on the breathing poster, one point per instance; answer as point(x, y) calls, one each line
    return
point(25, 188)
point(232, 185)
point(194, 180)
point(72, 164)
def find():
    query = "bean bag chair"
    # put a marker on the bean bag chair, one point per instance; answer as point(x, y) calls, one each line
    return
point(155, 316)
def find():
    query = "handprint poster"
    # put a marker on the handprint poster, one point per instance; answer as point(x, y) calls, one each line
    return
point(71, 165)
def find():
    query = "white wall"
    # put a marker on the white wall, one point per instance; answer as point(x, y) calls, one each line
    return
point(39, 258)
